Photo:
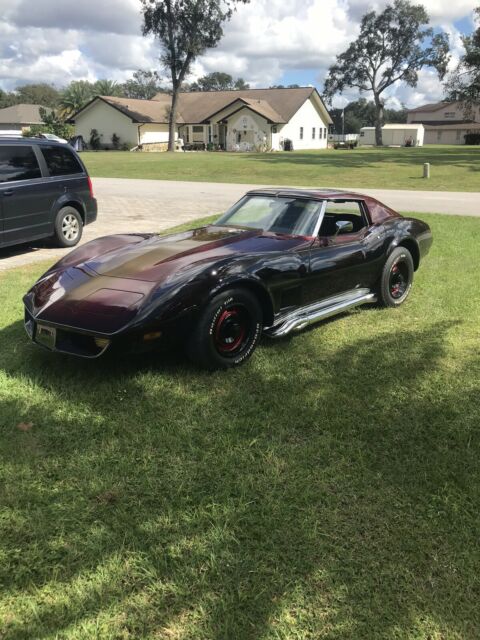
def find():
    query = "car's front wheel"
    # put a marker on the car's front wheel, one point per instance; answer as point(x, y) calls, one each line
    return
point(397, 278)
point(227, 332)
point(68, 227)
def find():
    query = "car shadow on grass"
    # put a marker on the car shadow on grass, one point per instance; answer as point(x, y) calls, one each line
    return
point(320, 491)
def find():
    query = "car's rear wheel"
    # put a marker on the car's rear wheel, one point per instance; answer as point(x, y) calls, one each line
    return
point(397, 278)
point(68, 227)
point(227, 332)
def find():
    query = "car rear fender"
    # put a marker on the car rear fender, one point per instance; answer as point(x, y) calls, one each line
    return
point(409, 243)
point(69, 200)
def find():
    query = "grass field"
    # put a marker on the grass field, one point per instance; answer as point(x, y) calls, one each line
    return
point(453, 168)
point(329, 489)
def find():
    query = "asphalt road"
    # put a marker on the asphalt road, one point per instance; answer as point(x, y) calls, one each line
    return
point(153, 205)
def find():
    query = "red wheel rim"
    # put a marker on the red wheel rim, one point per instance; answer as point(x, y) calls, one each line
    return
point(398, 280)
point(231, 330)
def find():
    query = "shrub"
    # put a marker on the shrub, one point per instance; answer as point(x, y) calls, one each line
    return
point(472, 138)
point(115, 141)
point(95, 141)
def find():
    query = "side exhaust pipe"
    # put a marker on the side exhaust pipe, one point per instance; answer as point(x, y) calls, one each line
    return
point(306, 316)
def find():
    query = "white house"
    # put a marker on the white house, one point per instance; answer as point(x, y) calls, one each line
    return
point(394, 135)
point(445, 122)
point(246, 120)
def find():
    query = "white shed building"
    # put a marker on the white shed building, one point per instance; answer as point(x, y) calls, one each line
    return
point(394, 135)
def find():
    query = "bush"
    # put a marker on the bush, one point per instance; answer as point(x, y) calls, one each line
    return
point(472, 138)
point(95, 141)
point(115, 141)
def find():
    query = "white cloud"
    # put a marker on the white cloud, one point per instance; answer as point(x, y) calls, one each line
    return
point(87, 39)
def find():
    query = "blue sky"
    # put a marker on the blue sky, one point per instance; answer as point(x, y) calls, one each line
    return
point(267, 42)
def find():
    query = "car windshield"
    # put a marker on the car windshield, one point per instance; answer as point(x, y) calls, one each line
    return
point(288, 215)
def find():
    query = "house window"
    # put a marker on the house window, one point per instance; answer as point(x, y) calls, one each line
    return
point(459, 135)
point(439, 136)
point(209, 133)
point(324, 133)
point(187, 133)
point(313, 133)
point(301, 133)
point(450, 114)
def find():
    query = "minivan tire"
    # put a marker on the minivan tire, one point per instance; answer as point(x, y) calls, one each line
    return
point(68, 227)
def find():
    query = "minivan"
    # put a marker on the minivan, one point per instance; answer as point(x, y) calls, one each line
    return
point(45, 192)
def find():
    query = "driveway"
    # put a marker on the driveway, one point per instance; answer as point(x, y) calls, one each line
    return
point(153, 205)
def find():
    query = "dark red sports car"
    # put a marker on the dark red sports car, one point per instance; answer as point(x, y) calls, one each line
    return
point(277, 261)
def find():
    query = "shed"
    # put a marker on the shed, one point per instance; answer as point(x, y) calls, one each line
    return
point(395, 135)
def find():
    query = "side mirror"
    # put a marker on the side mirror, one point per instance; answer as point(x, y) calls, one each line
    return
point(344, 226)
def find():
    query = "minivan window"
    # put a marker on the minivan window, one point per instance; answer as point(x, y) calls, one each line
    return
point(60, 161)
point(18, 163)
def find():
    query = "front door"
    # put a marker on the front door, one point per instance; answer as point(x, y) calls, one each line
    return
point(26, 197)
point(338, 261)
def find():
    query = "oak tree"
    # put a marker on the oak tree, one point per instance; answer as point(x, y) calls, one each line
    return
point(185, 29)
point(392, 46)
point(464, 83)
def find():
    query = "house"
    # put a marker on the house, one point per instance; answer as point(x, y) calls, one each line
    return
point(394, 135)
point(445, 122)
point(16, 119)
point(245, 120)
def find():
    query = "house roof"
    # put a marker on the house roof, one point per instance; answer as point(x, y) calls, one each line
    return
point(433, 106)
point(276, 105)
point(21, 114)
point(447, 123)
point(462, 125)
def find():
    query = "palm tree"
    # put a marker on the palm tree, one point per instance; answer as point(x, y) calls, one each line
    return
point(75, 96)
point(107, 88)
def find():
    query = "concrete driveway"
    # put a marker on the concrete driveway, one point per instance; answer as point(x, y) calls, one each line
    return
point(153, 205)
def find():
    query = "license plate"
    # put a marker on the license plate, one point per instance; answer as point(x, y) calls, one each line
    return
point(46, 336)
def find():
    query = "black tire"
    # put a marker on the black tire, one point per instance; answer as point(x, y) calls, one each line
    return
point(68, 227)
point(397, 278)
point(227, 331)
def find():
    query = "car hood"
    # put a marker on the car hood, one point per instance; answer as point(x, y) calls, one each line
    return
point(103, 287)
point(156, 258)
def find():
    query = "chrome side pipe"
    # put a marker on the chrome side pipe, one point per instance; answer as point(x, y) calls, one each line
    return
point(301, 318)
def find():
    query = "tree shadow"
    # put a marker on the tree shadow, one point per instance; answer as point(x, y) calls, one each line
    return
point(369, 158)
point(246, 504)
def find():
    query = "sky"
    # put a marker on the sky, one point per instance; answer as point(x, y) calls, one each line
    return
point(266, 42)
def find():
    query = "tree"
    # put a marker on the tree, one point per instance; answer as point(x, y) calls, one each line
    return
point(185, 29)
point(362, 113)
point(464, 83)
point(218, 81)
point(40, 93)
point(75, 96)
point(392, 47)
point(144, 85)
point(52, 123)
point(107, 88)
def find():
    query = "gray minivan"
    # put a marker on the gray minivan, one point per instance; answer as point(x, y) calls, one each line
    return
point(45, 191)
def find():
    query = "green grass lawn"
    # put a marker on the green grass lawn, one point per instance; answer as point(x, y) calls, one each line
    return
point(328, 489)
point(454, 168)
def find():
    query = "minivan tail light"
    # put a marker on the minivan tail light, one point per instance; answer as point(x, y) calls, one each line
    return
point(90, 186)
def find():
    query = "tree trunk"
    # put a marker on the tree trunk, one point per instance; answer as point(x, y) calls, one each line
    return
point(379, 116)
point(172, 120)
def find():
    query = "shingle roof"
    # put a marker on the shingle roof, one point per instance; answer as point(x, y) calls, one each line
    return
point(276, 105)
point(433, 106)
point(21, 114)
point(142, 110)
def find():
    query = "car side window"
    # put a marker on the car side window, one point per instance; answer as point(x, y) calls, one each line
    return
point(342, 210)
point(60, 161)
point(18, 162)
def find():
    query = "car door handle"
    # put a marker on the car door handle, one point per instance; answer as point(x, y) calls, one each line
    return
point(8, 192)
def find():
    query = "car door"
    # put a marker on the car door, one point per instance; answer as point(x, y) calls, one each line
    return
point(25, 194)
point(339, 261)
